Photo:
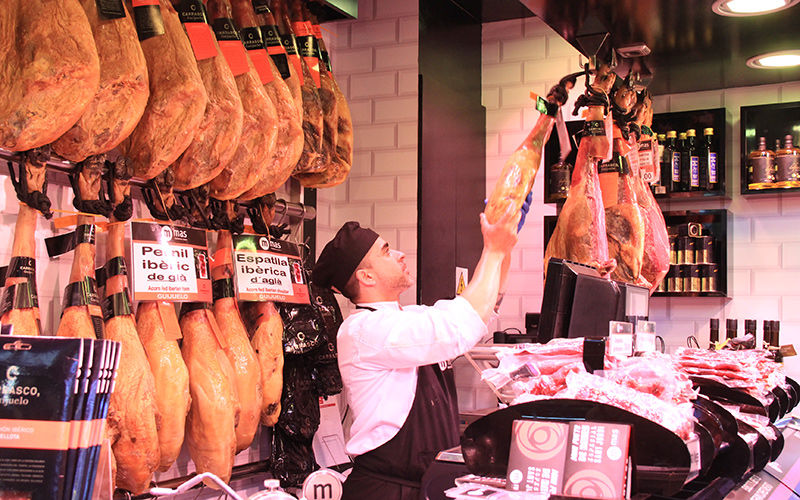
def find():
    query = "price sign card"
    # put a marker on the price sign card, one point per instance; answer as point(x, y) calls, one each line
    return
point(268, 269)
point(169, 263)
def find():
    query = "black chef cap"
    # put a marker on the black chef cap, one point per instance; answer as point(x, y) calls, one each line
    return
point(342, 255)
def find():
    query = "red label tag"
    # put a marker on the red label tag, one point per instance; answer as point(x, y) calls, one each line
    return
point(260, 60)
point(172, 329)
point(94, 310)
point(140, 3)
point(223, 342)
point(222, 257)
point(234, 53)
point(313, 67)
point(317, 30)
point(298, 68)
point(67, 221)
point(202, 40)
point(302, 28)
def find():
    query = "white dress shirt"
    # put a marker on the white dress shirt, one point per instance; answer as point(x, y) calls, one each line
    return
point(379, 353)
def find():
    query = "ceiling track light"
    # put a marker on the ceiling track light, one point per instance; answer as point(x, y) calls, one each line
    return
point(775, 60)
point(746, 8)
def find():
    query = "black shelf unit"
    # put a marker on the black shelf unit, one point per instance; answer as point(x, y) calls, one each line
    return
point(698, 120)
point(662, 123)
point(772, 121)
point(715, 223)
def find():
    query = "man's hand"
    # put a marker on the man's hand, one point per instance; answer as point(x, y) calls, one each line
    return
point(501, 236)
point(491, 273)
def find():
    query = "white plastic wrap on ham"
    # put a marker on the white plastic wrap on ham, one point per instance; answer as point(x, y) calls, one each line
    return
point(536, 369)
point(751, 369)
point(654, 374)
point(584, 386)
point(760, 423)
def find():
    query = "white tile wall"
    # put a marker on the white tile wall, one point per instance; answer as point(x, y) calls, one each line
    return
point(380, 54)
point(764, 245)
point(520, 57)
point(375, 62)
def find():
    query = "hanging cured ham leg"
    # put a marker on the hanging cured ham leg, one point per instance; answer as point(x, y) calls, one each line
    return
point(247, 372)
point(214, 413)
point(519, 172)
point(250, 162)
point(340, 160)
point(163, 356)
point(50, 70)
point(289, 142)
point(81, 316)
point(312, 107)
point(20, 293)
point(580, 233)
point(266, 329)
point(220, 130)
point(133, 416)
point(170, 374)
point(122, 94)
point(176, 104)
point(655, 261)
point(625, 225)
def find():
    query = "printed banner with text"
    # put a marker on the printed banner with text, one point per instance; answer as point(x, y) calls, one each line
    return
point(169, 263)
point(268, 269)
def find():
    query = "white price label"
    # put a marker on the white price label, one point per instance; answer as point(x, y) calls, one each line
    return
point(268, 270)
point(169, 263)
point(620, 345)
point(645, 342)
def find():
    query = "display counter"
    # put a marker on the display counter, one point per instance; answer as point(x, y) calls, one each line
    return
point(703, 424)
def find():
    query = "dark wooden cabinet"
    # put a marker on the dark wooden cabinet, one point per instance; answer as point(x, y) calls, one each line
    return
point(712, 259)
point(704, 233)
point(773, 122)
point(699, 120)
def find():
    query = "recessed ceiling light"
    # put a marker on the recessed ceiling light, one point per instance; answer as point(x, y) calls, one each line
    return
point(782, 59)
point(741, 8)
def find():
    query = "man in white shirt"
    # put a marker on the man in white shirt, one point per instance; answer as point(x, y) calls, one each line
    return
point(393, 359)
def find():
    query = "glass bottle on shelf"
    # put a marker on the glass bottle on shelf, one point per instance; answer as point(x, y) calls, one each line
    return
point(713, 333)
point(667, 160)
point(731, 327)
point(691, 181)
point(560, 177)
point(761, 167)
point(660, 186)
point(683, 164)
point(787, 161)
point(708, 161)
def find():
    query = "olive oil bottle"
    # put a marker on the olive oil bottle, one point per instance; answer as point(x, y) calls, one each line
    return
point(708, 161)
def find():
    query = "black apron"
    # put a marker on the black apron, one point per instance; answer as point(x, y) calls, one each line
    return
point(394, 470)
